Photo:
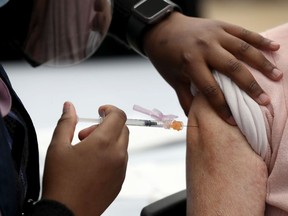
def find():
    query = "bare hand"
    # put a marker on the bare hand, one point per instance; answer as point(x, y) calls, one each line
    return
point(87, 177)
point(185, 50)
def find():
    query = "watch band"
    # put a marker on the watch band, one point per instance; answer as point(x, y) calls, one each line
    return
point(137, 25)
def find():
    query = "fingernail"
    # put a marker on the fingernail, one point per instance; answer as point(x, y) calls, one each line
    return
point(66, 107)
point(102, 113)
point(231, 121)
point(263, 99)
point(276, 73)
point(274, 45)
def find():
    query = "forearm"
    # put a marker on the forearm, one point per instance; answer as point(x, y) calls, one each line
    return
point(224, 176)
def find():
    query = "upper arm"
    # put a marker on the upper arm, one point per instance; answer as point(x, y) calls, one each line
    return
point(224, 175)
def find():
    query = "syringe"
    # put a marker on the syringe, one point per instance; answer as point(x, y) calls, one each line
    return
point(170, 124)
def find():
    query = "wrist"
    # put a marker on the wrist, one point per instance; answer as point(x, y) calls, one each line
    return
point(158, 34)
point(145, 15)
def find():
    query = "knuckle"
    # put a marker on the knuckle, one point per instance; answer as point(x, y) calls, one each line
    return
point(244, 46)
point(122, 114)
point(201, 42)
point(211, 91)
point(103, 140)
point(118, 113)
point(245, 33)
point(262, 41)
point(187, 58)
point(253, 87)
point(106, 109)
point(267, 65)
point(62, 120)
point(234, 65)
point(188, 55)
point(66, 119)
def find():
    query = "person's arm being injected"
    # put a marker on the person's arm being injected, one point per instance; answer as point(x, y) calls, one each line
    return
point(185, 50)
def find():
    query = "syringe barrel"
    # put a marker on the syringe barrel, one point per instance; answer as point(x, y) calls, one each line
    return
point(147, 123)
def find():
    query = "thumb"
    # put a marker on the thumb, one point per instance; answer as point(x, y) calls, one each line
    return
point(64, 131)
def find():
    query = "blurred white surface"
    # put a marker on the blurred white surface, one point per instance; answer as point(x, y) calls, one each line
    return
point(156, 166)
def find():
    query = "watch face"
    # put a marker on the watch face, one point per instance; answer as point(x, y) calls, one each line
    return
point(149, 8)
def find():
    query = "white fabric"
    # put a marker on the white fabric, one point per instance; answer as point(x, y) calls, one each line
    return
point(2, 3)
point(246, 112)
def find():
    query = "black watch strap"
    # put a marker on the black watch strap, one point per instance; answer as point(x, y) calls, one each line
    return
point(137, 26)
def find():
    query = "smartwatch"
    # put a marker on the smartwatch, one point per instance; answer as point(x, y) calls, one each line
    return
point(145, 14)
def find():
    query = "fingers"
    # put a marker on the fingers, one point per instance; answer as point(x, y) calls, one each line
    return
point(244, 45)
point(93, 169)
point(240, 74)
point(114, 120)
point(112, 130)
point(85, 132)
point(64, 131)
point(251, 37)
point(208, 86)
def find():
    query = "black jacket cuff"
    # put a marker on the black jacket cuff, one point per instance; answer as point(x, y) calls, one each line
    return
point(49, 208)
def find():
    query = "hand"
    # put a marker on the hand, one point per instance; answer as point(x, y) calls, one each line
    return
point(185, 49)
point(88, 176)
point(224, 175)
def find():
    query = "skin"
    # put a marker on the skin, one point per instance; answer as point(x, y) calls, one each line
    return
point(88, 176)
point(224, 175)
point(185, 49)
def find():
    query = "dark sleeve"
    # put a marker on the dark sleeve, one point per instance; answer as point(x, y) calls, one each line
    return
point(121, 13)
point(49, 208)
